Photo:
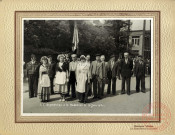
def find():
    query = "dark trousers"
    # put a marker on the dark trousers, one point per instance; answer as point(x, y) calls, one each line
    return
point(51, 85)
point(138, 80)
point(97, 86)
point(127, 80)
point(83, 97)
point(72, 81)
point(33, 85)
point(68, 88)
point(103, 87)
point(113, 86)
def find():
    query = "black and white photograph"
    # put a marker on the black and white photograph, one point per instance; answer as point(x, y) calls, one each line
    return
point(86, 66)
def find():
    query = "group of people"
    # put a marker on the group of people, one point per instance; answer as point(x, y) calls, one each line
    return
point(80, 78)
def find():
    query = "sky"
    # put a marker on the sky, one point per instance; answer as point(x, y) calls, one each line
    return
point(138, 25)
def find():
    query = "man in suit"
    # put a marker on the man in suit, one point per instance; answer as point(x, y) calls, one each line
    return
point(112, 74)
point(72, 77)
point(67, 62)
point(104, 63)
point(126, 66)
point(88, 60)
point(51, 72)
point(32, 67)
point(139, 71)
point(97, 75)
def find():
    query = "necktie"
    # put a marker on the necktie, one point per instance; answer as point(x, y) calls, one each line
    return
point(126, 60)
point(112, 64)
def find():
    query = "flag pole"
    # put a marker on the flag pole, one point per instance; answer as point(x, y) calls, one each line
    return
point(77, 43)
point(75, 39)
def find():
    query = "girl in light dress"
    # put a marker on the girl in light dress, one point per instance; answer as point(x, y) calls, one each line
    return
point(44, 81)
point(61, 77)
point(82, 75)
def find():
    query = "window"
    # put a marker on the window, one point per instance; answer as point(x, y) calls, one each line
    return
point(135, 40)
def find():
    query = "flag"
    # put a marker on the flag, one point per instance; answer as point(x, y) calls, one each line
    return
point(75, 40)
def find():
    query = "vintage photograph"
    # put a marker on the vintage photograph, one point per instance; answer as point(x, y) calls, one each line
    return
point(86, 66)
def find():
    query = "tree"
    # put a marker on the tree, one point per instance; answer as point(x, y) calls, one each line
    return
point(51, 37)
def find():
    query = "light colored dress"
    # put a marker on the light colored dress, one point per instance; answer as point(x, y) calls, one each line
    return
point(60, 76)
point(44, 82)
point(82, 74)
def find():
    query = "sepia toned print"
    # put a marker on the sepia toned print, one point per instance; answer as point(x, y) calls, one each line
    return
point(85, 68)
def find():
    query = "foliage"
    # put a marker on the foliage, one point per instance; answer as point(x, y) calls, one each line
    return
point(51, 37)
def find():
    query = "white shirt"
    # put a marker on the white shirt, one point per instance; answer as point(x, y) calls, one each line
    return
point(73, 66)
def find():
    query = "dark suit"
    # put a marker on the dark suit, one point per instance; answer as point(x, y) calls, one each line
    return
point(112, 72)
point(97, 76)
point(51, 73)
point(126, 73)
point(140, 76)
point(32, 74)
point(105, 64)
point(72, 77)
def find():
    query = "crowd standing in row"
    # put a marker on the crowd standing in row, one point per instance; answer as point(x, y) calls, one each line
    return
point(81, 77)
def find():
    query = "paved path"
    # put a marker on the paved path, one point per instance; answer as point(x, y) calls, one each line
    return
point(109, 104)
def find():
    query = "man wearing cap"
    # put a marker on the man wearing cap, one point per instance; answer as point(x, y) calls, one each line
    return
point(32, 67)
point(139, 71)
point(97, 75)
point(72, 77)
point(126, 66)
point(112, 74)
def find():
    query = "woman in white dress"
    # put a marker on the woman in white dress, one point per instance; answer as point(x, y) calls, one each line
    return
point(61, 77)
point(44, 81)
point(82, 75)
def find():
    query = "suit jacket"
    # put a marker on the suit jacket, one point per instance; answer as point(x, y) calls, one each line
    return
point(94, 69)
point(51, 69)
point(32, 68)
point(105, 66)
point(126, 68)
point(112, 73)
point(139, 69)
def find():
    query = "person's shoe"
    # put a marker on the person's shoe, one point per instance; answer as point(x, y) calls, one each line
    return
point(60, 100)
point(94, 98)
point(137, 91)
point(59, 92)
point(122, 92)
point(85, 102)
point(99, 97)
point(73, 96)
point(67, 95)
point(128, 94)
point(143, 91)
point(63, 100)
point(81, 101)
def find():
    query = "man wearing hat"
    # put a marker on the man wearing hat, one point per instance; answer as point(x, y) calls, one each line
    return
point(32, 67)
point(139, 71)
point(126, 66)
point(72, 77)
point(97, 75)
point(112, 74)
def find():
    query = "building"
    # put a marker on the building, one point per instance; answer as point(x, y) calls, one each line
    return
point(140, 38)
